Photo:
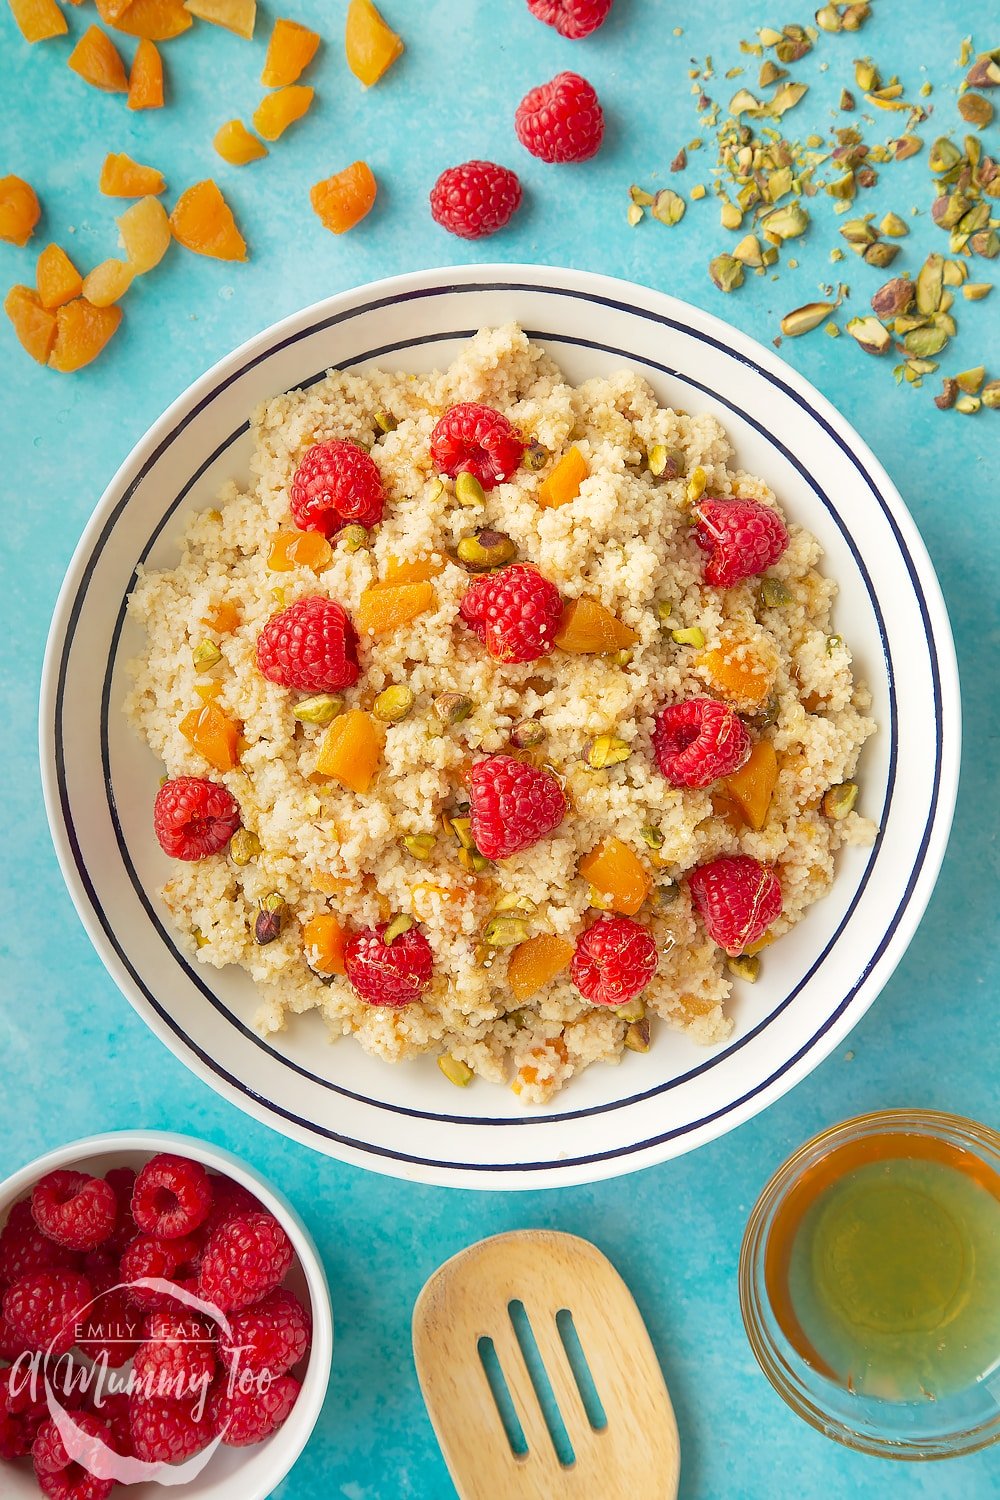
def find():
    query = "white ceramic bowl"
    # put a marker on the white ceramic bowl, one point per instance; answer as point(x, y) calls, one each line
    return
point(232, 1473)
point(100, 781)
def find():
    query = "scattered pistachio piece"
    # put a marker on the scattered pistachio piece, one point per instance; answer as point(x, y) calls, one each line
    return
point(839, 800)
point(894, 298)
point(727, 272)
point(930, 285)
point(696, 485)
point(420, 845)
point(847, 100)
point(468, 491)
point(944, 155)
point(651, 837)
point(637, 1036)
point(985, 72)
point(473, 861)
point(968, 405)
point(923, 343)
point(769, 73)
point(828, 18)
point(664, 610)
point(206, 655)
point(455, 1070)
point(536, 456)
point(322, 709)
point(692, 636)
point(353, 538)
point(774, 594)
point(680, 161)
point(866, 75)
point(785, 223)
point(970, 380)
point(859, 234)
point(975, 291)
point(665, 463)
point(906, 146)
point(485, 549)
point(749, 251)
point(385, 421)
point(243, 847)
point(697, 192)
point(949, 391)
point(975, 110)
point(452, 708)
point(730, 216)
point(805, 319)
point(881, 254)
point(505, 932)
point(893, 225)
point(991, 395)
point(744, 966)
point(986, 243)
point(268, 921)
point(667, 892)
point(393, 703)
point(526, 734)
point(606, 750)
point(668, 207)
point(639, 196)
point(396, 928)
point(633, 1010)
point(870, 334)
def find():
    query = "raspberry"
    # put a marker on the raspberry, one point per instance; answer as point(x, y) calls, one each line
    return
point(74, 1210)
point(44, 1308)
point(562, 120)
point(743, 537)
point(113, 1409)
point(737, 899)
point(59, 1476)
point(614, 960)
point(12, 1346)
point(177, 1358)
point(111, 1330)
point(478, 440)
point(121, 1181)
point(163, 1260)
point(515, 613)
point(698, 741)
point(272, 1335)
point(193, 818)
point(167, 1432)
point(391, 974)
point(336, 484)
point(243, 1261)
point(247, 1418)
point(311, 645)
point(230, 1200)
point(23, 1247)
point(571, 18)
point(475, 199)
point(513, 805)
point(172, 1197)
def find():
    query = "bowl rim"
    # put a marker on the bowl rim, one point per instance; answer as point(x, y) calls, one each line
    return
point(317, 1377)
point(629, 297)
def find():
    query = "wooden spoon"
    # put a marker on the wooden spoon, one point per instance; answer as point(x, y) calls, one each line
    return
point(635, 1455)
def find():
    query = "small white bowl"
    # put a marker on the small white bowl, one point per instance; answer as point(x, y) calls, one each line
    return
point(232, 1473)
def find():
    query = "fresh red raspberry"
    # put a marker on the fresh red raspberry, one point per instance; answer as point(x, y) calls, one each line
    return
point(272, 1335)
point(15, 1440)
point(700, 740)
point(44, 1307)
point(21, 1392)
point(742, 536)
point(395, 974)
point(513, 805)
point(121, 1181)
point(230, 1200)
point(193, 818)
point(168, 1432)
point(74, 1209)
point(12, 1346)
point(111, 1330)
point(737, 898)
point(172, 1197)
point(177, 1357)
point(163, 1260)
point(561, 120)
point(247, 1418)
point(515, 613)
point(243, 1261)
point(112, 1407)
point(23, 1247)
point(336, 484)
point(475, 199)
point(478, 440)
point(572, 18)
point(62, 1478)
point(311, 646)
point(613, 961)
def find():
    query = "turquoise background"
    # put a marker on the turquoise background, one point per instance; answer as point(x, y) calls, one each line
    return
point(75, 1057)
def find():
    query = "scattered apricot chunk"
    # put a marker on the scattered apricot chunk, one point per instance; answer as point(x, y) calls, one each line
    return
point(108, 282)
point(82, 330)
point(563, 484)
point(237, 145)
point(145, 81)
point(323, 939)
point(299, 549)
point(212, 732)
point(350, 751)
point(235, 15)
point(422, 899)
point(20, 210)
point(736, 669)
point(121, 177)
point(371, 45)
point(56, 277)
point(388, 606)
point(34, 324)
point(145, 232)
point(150, 20)
point(419, 570)
point(343, 199)
point(588, 629)
point(223, 617)
point(95, 57)
point(38, 20)
point(618, 874)
point(202, 221)
point(535, 962)
point(289, 52)
point(277, 111)
point(752, 786)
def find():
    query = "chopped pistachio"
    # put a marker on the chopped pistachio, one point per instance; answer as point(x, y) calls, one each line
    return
point(870, 334)
point(881, 254)
point(667, 892)
point(906, 146)
point(473, 861)
point(765, 716)
point(526, 734)
point(968, 405)
point(637, 1036)
point(944, 155)
point(990, 395)
point(385, 421)
point(785, 97)
point(396, 928)
point(985, 72)
point(468, 491)
point(774, 594)
point(986, 243)
point(839, 800)
point(633, 1010)
point(749, 251)
point(485, 549)
point(893, 225)
point(692, 636)
point(925, 342)
point(696, 485)
point(651, 837)
point(668, 207)
point(785, 223)
point(949, 391)
point(680, 161)
point(462, 829)
point(639, 196)
point(393, 703)
point(420, 845)
point(894, 298)
point(505, 932)
point(665, 463)
point(243, 847)
point(975, 291)
point(866, 75)
point(664, 610)
point(975, 110)
point(206, 655)
point(930, 284)
point(731, 217)
point(828, 18)
point(859, 234)
point(634, 214)
point(510, 901)
point(832, 330)
point(847, 100)
point(970, 380)
point(353, 538)
point(455, 1070)
point(536, 456)
point(606, 750)
point(268, 921)
point(201, 941)
point(805, 319)
point(854, 16)
point(842, 188)
point(452, 708)
point(322, 709)
point(769, 73)
point(697, 192)
point(727, 272)
point(743, 102)
point(744, 966)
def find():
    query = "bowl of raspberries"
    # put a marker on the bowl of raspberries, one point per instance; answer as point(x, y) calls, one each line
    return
point(165, 1320)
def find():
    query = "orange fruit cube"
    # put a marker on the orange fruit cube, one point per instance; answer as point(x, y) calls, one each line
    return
point(212, 732)
point(95, 57)
point(277, 111)
point(419, 570)
point(236, 145)
point(372, 46)
point(588, 629)
point(82, 330)
point(151, 20)
point(202, 221)
point(56, 277)
point(299, 549)
point(34, 324)
point(323, 939)
point(235, 15)
point(223, 617)
point(145, 232)
point(388, 606)
point(20, 210)
point(618, 874)
point(289, 52)
point(736, 672)
point(121, 177)
point(350, 751)
point(563, 484)
point(38, 20)
point(108, 282)
point(343, 199)
point(751, 788)
point(534, 963)
point(145, 81)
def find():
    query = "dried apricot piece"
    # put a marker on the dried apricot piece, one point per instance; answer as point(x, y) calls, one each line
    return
point(618, 875)
point(751, 788)
point(372, 46)
point(95, 57)
point(350, 751)
point(212, 732)
point(299, 549)
point(236, 145)
point(588, 629)
point(223, 617)
point(343, 199)
point(202, 221)
point(38, 20)
point(563, 484)
point(145, 81)
point(121, 177)
point(145, 233)
point(235, 15)
point(289, 52)
point(387, 607)
point(106, 283)
point(82, 330)
point(535, 962)
point(56, 277)
point(20, 210)
point(740, 670)
point(34, 324)
point(418, 570)
point(323, 939)
point(277, 111)
point(151, 20)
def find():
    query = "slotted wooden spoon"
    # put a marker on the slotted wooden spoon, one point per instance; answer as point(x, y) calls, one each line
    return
point(635, 1456)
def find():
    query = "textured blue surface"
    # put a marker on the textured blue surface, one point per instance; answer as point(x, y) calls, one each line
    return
point(76, 1059)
